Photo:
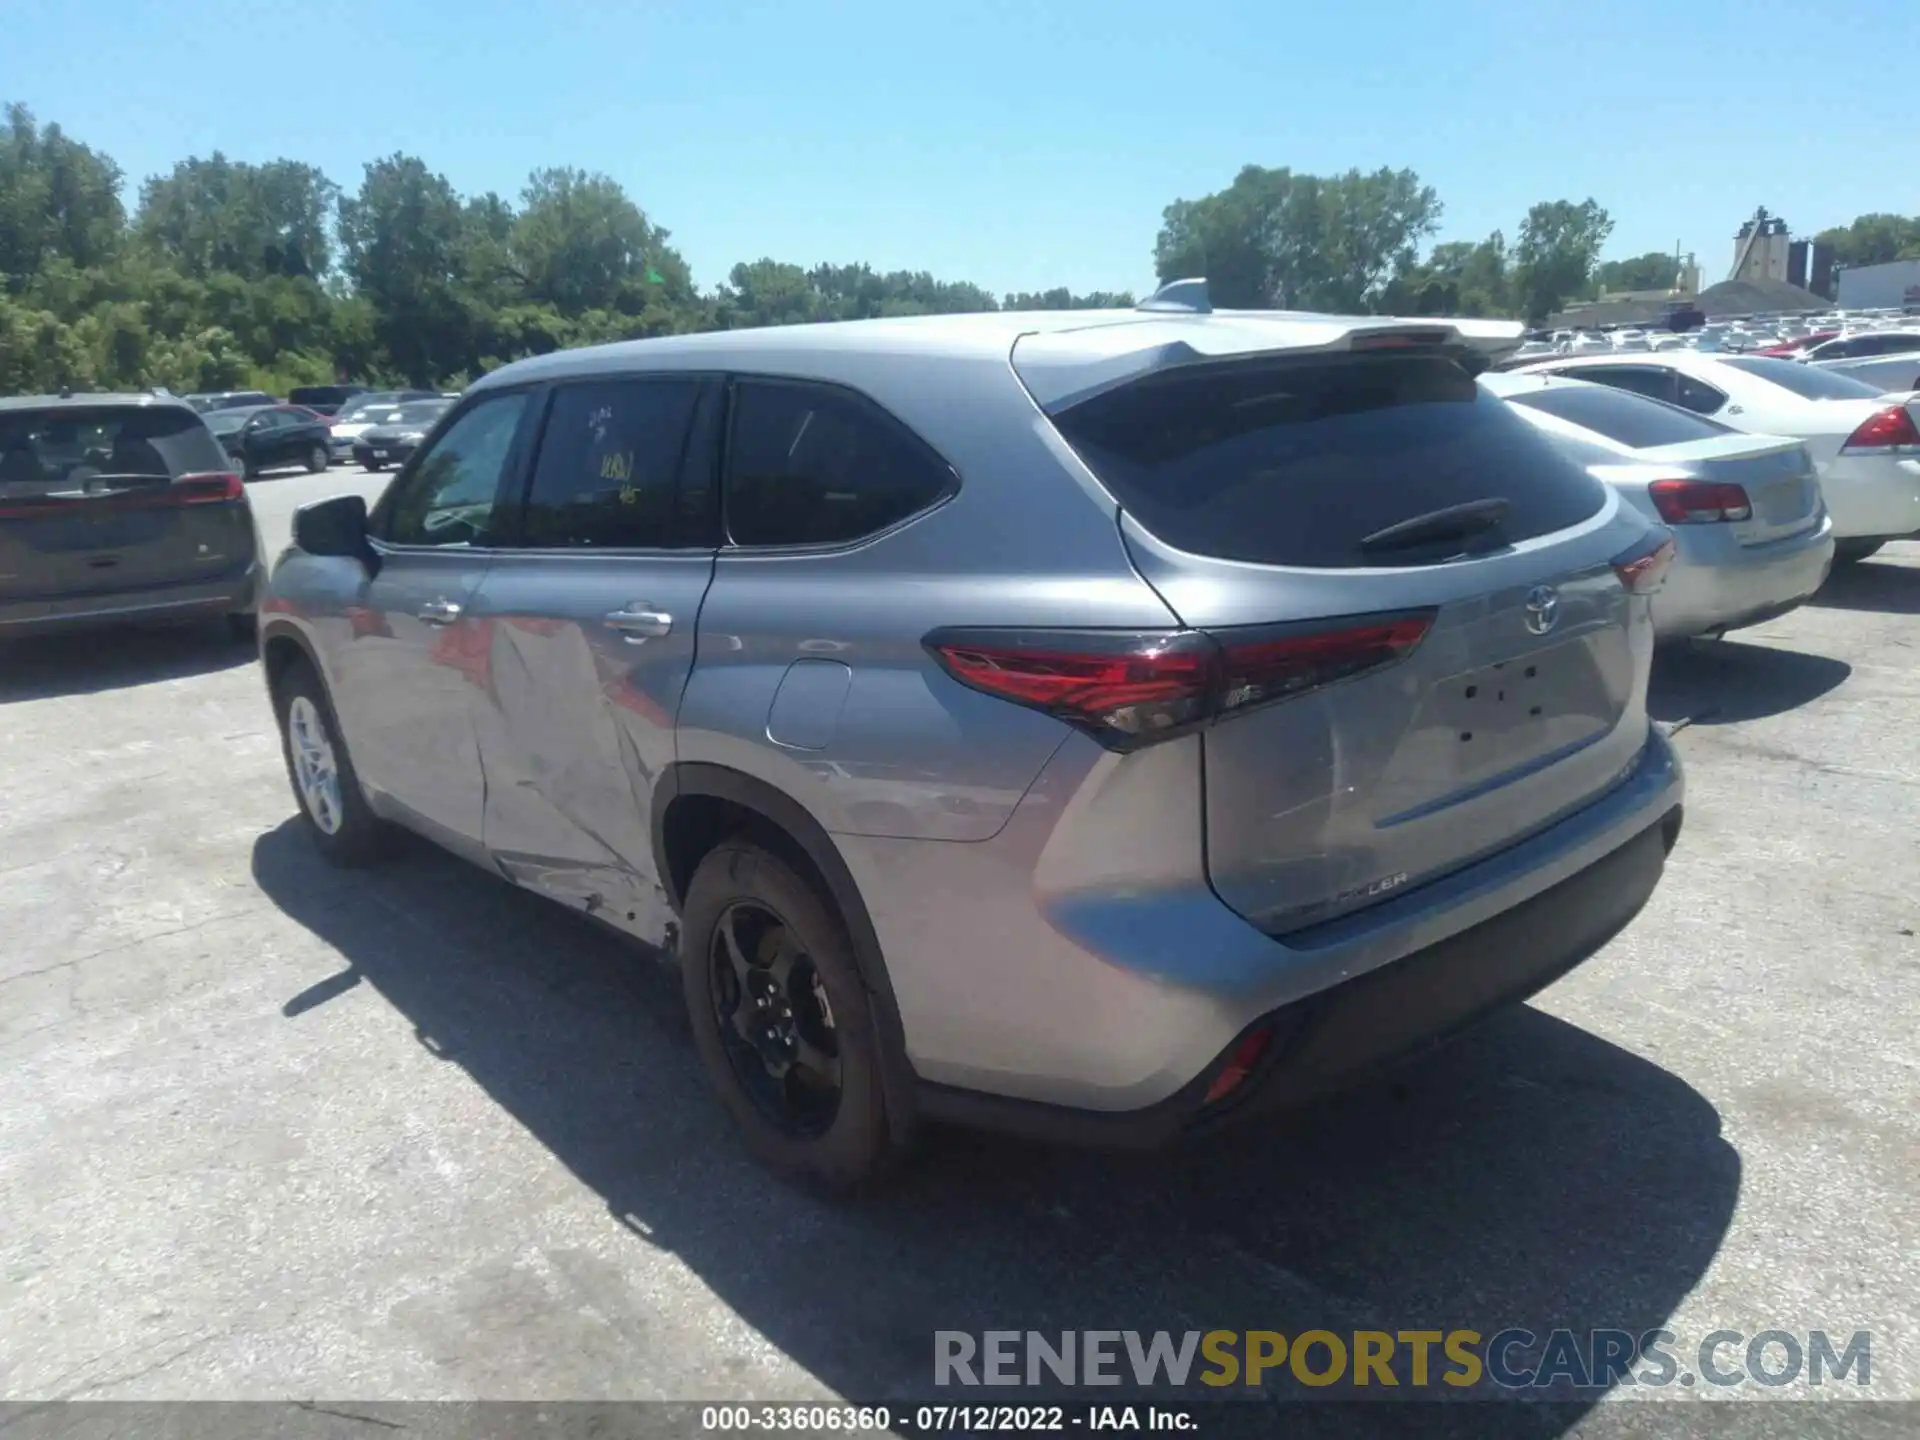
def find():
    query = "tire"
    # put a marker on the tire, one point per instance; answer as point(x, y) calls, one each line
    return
point(374, 465)
point(839, 1152)
point(1851, 552)
point(345, 831)
point(317, 459)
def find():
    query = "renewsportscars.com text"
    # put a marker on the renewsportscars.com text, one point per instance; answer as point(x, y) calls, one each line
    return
point(1511, 1359)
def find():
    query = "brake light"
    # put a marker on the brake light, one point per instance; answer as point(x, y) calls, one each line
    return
point(1642, 569)
point(1683, 501)
point(1397, 340)
point(1890, 431)
point(210, 488)
point(1129, 688)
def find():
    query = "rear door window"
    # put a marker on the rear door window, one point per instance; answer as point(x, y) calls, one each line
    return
point(1698, 396)
point(1629, 419)
point(816, 465)
point(609, 465)
point(1294, 463)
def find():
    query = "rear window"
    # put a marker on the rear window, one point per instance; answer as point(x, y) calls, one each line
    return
point(1806, 381)
point(42, 450)
point(1621, 416)
point(1296, 463)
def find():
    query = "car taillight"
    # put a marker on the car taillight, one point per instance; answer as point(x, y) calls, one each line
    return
point(1128, 688)
point(1685, 501)
point(1889, 432)
point(209, 488)
point(1643, 568)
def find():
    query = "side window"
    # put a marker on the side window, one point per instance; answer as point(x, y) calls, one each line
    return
point(815, 465)
point(609, 465)
point(1700, 397)
point(448, 497)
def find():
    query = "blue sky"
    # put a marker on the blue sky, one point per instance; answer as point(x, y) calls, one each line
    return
point(1018, 145)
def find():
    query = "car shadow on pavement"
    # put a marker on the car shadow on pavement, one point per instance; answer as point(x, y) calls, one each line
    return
point(1530, 1175)
point(1721, 682)
point(1877, 585)
point(84, 662)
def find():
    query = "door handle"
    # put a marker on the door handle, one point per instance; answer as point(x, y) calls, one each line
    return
point(440, 612)
point(638, 622)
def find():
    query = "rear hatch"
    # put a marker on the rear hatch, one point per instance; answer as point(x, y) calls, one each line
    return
point(1470, 677)
point(102, 498)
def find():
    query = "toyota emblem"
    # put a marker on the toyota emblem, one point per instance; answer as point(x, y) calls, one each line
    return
point(1543, 609)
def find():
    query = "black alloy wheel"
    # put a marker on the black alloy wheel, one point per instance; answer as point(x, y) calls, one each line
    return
point(775, 1022)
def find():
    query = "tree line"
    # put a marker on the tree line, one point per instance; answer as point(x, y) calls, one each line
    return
point(227, 274)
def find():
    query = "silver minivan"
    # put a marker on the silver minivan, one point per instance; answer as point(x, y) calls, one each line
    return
point(1101, 725)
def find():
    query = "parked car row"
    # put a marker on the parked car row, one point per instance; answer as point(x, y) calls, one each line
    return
point(1864, 444)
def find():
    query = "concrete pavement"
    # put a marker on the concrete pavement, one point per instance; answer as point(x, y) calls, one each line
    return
point(269, 1129)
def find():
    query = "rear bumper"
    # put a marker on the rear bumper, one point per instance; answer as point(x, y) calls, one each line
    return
point(1872, 497)
point(1073, 978)
point(1328, 1041)
point(229, 595)
point(1718, 585)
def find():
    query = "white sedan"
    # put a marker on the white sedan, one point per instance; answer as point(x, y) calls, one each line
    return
point(1888, 359)
point(1751, 538)
point(1865, 444)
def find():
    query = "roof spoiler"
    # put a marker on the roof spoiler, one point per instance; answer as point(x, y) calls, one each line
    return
point(1061, 368)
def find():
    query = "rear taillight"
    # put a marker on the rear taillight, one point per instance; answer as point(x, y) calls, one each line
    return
point(1685, 501)
point(1890, 432)
point(1643, 568)
point(209, 488)
point(1128, 688)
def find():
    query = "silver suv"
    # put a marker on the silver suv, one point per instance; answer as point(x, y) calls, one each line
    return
point(1096, 725)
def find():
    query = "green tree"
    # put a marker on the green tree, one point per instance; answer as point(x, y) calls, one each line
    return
point(404, 238)
point(1875, 239)
point(1655, 270)
point(1277, 239)
point(1554, 257)
point(769, 292)
point(579, 243)
point(58, 199)
point(226, 215)
point(1062, 298)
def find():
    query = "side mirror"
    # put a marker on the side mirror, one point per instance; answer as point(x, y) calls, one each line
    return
point(334, 527)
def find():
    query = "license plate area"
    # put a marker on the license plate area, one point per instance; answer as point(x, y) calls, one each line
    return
point(1493, 721)
point(1784, 502)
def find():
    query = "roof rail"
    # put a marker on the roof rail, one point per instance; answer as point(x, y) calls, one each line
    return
point(1187, 297)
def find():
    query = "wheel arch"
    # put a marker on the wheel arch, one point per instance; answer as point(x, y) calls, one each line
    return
point(282, 644)
point(697, 805)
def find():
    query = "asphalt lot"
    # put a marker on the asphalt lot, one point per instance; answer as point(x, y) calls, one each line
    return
point(268, 1130)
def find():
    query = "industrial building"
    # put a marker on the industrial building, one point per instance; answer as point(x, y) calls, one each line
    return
point(1874, 287)
point(1763, 249)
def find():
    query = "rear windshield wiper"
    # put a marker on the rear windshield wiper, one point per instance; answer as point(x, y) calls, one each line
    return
point(1455, 522)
